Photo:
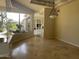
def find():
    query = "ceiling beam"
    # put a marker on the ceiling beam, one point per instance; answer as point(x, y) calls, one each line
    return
point(42, 2)
point(50, 2)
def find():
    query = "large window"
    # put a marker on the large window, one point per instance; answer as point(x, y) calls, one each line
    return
point(15, 20)
point(12, 22)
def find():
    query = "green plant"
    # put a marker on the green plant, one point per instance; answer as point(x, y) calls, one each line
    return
point(1, 30)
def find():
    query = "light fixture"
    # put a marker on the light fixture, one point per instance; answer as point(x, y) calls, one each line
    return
point(54, 11)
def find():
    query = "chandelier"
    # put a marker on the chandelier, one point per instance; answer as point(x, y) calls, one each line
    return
point(54, 11)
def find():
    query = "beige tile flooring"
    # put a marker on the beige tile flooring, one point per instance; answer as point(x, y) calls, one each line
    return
point(38, 48)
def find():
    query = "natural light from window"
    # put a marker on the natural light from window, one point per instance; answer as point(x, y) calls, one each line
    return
point(15, 16)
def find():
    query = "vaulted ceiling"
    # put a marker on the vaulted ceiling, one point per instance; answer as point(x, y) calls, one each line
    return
point(2, 3)
point(33, 6)
point(36, 5)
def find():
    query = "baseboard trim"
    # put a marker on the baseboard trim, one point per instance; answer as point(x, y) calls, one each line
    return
point(70, 43)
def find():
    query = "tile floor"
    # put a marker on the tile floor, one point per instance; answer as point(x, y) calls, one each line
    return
point(38, 48)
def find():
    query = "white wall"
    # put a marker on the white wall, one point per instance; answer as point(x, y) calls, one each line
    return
point(68, 23)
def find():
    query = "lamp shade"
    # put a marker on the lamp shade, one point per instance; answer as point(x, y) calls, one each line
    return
point(52, 16)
